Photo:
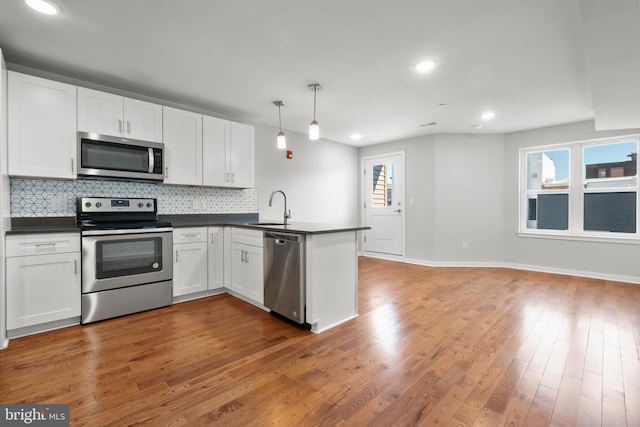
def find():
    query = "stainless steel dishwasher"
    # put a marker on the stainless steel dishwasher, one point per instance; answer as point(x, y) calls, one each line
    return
point(284, 274)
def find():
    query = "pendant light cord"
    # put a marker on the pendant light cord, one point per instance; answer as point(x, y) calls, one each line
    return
point(315, 89)
point(279, 118)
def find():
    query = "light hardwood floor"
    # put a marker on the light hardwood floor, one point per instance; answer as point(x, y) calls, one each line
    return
point(432, 346)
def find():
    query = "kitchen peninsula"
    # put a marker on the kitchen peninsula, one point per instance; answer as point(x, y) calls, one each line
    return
point(330, 260)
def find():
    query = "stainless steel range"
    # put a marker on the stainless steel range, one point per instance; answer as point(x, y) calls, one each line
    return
point(127, 264)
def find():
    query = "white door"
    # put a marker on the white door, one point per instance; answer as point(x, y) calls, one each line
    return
point(384, 204)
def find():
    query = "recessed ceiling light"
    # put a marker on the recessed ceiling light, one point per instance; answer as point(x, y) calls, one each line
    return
point(43, 6)
point(425, 65)
point(356, 137)
point(488, 115)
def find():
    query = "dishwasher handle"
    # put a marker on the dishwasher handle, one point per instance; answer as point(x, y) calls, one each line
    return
point(283, 238)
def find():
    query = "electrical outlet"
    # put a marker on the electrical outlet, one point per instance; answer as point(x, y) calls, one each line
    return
point(465, 245)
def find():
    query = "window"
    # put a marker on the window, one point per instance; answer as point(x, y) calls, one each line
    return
point(383, 193)
point(585, 188)
point(548, 189)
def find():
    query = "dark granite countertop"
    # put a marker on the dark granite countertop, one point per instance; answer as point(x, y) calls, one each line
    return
point(66, 224)
point(250, 221)
point(304, 227)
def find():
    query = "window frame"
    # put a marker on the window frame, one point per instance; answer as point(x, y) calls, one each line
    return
point(576, 192)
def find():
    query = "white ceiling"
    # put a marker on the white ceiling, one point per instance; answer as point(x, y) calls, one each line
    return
point(523, 59)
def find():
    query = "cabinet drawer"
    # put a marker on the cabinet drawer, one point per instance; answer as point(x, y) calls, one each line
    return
point(42, 244)
point(189, 235)
point(247, 237)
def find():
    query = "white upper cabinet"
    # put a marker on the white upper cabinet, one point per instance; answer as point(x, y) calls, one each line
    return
point(242, 156)
point(42, 127)
point(228, 153)
point(215, 146)
point(109, 114)
point(182, 137)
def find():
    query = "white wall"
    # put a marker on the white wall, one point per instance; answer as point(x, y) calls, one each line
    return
point(455, 182)
point(320, 181)
point(469, 198)
point(594, 259)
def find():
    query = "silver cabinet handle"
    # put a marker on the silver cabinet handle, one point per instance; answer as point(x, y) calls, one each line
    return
point(72, 168)
point(51, 245)
point(191, 235)
point(120, 125)
point(233, 177)
point(166, 172)
point(226, 178)
point(176, 256)
point(398, 210)
point(129, 127)
point(75, 267)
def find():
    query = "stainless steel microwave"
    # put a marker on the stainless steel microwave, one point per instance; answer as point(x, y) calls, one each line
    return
point(124, 158)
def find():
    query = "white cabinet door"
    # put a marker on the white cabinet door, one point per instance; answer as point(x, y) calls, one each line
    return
point(242, 156)
point(189, 268)
point(255, 274)
point(182, 137)
point(100, 112)
point(42, 288)
point(247, 277)
point(215, 151)
point(238, 268)
point(142, 120)
point(42, 127)
point(215, 255)
point(114, 115)
point(228, 153)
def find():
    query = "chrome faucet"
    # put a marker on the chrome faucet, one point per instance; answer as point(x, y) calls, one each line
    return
point(287, 214)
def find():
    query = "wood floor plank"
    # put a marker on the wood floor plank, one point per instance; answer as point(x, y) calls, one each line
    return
point(431, 347)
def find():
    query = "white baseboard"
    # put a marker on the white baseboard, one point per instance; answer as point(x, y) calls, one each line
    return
point(577, 273)
point(542, 269)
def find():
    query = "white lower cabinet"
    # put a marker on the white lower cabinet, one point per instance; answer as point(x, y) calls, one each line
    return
point(215, 254)
point(247, 276)
point(189, 260)
point(43, 279)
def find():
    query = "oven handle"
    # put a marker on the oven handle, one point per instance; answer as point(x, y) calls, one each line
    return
point(126, 231)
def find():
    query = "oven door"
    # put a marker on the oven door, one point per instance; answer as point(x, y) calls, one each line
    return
point(126, 258)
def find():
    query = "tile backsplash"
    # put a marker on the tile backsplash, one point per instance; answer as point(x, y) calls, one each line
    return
point(51, 198)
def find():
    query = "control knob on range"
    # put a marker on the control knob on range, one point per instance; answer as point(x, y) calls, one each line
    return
point(140, 204)
point(88, 204)
point(149, 204)
point(98, 204)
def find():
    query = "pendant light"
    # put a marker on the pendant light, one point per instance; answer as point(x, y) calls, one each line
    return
point(314, 128)
point(280, 139)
